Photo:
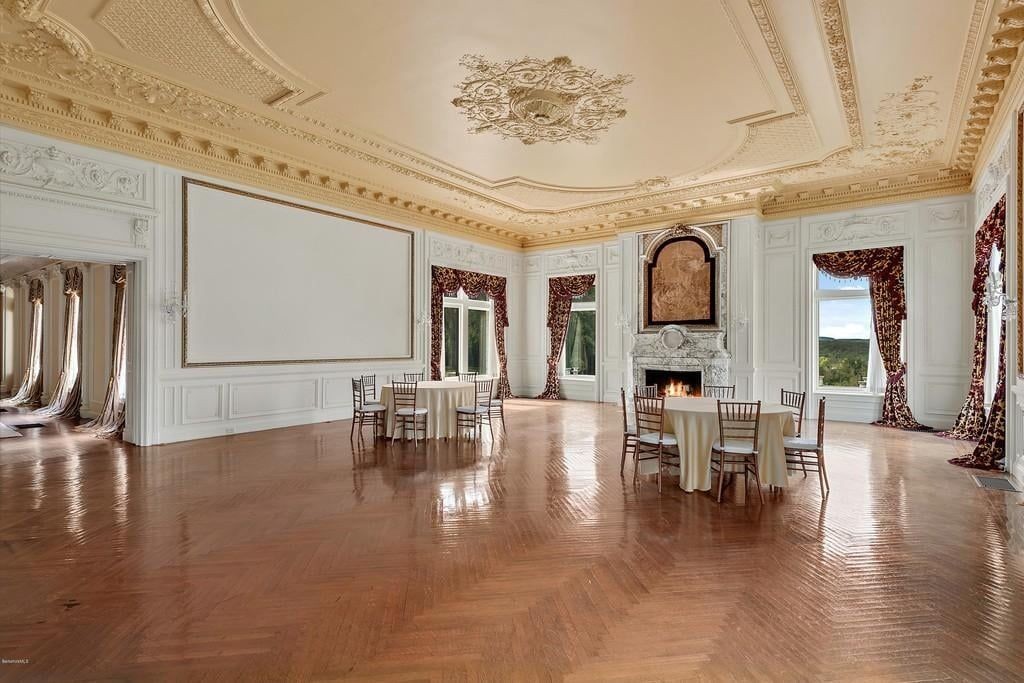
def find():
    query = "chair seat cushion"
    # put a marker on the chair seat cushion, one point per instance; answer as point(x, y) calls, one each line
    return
point(651, 438)
point(371, 408)
point(797, 443)
point(741, 447)
point(405, 412)
point(472, 410)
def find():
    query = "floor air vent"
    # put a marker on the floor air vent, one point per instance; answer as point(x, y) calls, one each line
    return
point(997, 483)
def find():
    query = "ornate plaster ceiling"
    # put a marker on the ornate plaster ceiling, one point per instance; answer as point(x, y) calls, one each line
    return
point(13, 266)
point(730, 105)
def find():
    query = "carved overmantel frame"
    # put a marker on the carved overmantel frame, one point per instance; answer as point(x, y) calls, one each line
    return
point(714, 237)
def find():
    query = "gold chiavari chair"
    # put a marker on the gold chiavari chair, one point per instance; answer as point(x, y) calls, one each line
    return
point(795, 401)
point(468, 376)
point(403, 398)
point(738, 427)
point(651, 440)
point(720, 391)
point(413, 376)
point(474, 416)
point(807, 455)
point(628, 434)
point(365, 413)
point(649, 390)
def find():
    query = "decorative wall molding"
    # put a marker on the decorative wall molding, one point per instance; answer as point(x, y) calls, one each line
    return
point(53, 168)
point(857, 228)
point(468, 256)
point(951, 216)
point(140, 232)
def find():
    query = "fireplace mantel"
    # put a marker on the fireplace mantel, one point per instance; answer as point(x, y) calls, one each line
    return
point(685, 350)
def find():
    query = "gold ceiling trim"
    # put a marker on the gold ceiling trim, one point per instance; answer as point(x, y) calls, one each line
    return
point(765, 22)
point(972, 46)
point(55, 115)
point(998, 64)
point(833, 20)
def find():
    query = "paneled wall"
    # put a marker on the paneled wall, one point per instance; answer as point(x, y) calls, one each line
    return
point(78, 203)
point(938, 245)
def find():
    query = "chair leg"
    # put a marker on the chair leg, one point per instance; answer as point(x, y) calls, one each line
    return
point(757, 478)
point(822, 473)
point(636, 463)
point(622, 464)
point(721, 476)
point(659, 468)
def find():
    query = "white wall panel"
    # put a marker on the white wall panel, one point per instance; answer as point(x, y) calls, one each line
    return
point(254, 399)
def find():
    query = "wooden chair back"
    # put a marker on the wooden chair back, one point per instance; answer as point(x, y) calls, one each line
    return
point(650, 390)
point(369, 388)
point(795, 401)
point(483, 393)
point(650, 415)
point(403, 395)
point(739, 422)
point(719, 391)
point(468, 376)
point(413, 376)
point(358, 393)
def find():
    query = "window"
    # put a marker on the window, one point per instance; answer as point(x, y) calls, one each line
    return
point(995, 327)
point(468, 346)
point(579, 357)
point(847, 356)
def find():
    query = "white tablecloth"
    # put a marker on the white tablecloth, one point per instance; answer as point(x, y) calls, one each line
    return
point(694, 422)
point(440, 398)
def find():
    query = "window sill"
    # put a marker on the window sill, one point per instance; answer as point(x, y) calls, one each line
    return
point(849, 393)
point(577, 378)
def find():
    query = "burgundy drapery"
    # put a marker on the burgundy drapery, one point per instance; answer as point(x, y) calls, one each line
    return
point(991, 448)
point(449, 280)
point(884, 269)
point(561, 290)
point(970, 423)
point(110, 421)
point(66, 399)
point(31, 389)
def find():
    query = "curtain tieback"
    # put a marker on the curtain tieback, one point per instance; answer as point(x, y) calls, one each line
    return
point(898, 375)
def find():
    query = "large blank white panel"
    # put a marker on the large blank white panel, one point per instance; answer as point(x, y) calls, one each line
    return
point(269, 281)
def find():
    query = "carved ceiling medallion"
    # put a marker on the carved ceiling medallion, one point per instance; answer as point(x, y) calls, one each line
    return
point(533, 100)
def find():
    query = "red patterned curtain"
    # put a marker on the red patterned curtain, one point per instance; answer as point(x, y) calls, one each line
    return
point(446, 280)
point(561, 290)
point(970, 423)
point(31, 389)
point(884, 269)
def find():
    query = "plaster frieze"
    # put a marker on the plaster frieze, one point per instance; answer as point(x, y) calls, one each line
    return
point(832, 17)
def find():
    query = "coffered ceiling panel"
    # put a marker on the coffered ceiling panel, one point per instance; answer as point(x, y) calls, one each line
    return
point(531, 122)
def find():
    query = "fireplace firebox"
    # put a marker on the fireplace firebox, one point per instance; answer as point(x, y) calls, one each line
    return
point(675, 382)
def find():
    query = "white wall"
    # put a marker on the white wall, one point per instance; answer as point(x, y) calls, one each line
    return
point(132, 214)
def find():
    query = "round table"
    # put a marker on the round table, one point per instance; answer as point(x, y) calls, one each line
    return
point(694, 422)
point(440, 398)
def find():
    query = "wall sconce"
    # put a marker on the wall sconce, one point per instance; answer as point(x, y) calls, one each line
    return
point(174, 307)
point(995, 295)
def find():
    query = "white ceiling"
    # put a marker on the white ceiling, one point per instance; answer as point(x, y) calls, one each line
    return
point(741, 96)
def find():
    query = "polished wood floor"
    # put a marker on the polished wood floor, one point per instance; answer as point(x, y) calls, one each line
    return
point(284, 555)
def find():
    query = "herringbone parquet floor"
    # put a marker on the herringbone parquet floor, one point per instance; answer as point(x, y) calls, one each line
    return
point(283, 555)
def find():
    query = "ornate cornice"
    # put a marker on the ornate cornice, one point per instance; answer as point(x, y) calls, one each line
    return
point(834, 23)
point(997, 66)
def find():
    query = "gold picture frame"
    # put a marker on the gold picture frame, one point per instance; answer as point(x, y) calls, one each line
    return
point(186, 182)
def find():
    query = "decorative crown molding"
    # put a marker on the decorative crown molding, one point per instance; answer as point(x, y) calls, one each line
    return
point(832, 19)
point(998, 63)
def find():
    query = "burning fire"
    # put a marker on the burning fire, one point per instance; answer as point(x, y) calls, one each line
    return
point(676, 388)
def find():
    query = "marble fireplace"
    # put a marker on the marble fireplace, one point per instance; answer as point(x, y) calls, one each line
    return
point(693, 353)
